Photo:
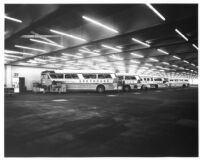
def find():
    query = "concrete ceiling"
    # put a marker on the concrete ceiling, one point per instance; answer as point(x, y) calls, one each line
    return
point(131, 21)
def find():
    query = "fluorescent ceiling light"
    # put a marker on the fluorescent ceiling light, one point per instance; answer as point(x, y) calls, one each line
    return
point(13, 19)
point(184, 37)
point(29, 48)
point(158, 66)
point(9, 59)
point(152, 59)
point(17, 52)
point(12, 56)
point(147, 64)
point(97, 50)
point(120, 47)
point(66, 54)
point(40, 60)
point(155, 11)
point(99, 24)
point(176, 57)
point(116, 57)
point(165, 63)
point(160, 50)
point(144, 67)
point(23, 63)
point(195, 46)
point(109, 47)
point(138, 41)
point(137, 55)
point(68, 35)
point(166, 68)
point(86, 51)
point(185, 61)
point(99, 60)
point(181, 68)
point(192, 64)
point(133, 61)
point(43, 42)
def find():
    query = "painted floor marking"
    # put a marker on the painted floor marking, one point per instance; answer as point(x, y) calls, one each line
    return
point(111, 95)
point(136, 93)
point(60, 100)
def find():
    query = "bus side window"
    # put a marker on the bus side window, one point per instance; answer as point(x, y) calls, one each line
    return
point(74, 76)
point(120, 77)
point(89, 76)
point(104, 76)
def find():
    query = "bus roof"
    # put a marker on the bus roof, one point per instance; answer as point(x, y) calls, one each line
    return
point(126, 74)
point(84, 71)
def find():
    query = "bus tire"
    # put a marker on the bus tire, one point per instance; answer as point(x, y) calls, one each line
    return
point(127, 88)
point(100, 89)
point(183, 86)
point(144, 87)
point(156, 86)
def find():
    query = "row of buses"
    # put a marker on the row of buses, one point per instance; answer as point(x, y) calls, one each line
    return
point(102, 81)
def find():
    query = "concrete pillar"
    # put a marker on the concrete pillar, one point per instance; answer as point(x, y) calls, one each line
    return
point(8, 75)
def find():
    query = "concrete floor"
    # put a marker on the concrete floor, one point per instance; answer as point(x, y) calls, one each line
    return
point(151, 123)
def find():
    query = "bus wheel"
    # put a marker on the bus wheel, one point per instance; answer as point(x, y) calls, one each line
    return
point(144, 87)
point(156, 86)
point(127, 88)
point(184, 86)
point(100, 89)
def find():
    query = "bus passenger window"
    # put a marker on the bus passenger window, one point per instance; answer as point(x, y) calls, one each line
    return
point(120, 77)
point(89, 76)
point(104, 76)
point(74, 76)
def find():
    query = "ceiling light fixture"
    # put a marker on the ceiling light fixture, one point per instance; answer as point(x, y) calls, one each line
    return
point(66, 54)
point(86, 51)
point(109, 47)
point(43, 42)
point(9, 59)
point(133, 61)
point(17, 52)
point(138, 41)
point(147, 64)
point(13, 19)
point(155, 11)
point(185, 61)
point(30, 48)
point(181, 34)
point(176, 57)
point(99, 24)
point(165, 63)
point(195, 46)
point(116, 57)
point(12, 56)
point(192, 64)
point(67, 35)
point(152, 59)
point(137, 55)
point(160, 50)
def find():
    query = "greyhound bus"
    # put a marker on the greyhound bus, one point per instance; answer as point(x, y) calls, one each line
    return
point(93, 80)
point(129, 81)
point(154, 82)
point(178, 82)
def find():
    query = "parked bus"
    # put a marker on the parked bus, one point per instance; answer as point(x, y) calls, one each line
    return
point(148, 82)
point(178, 82)
point(129, 81)
point(154, 82)
point(94, 80)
